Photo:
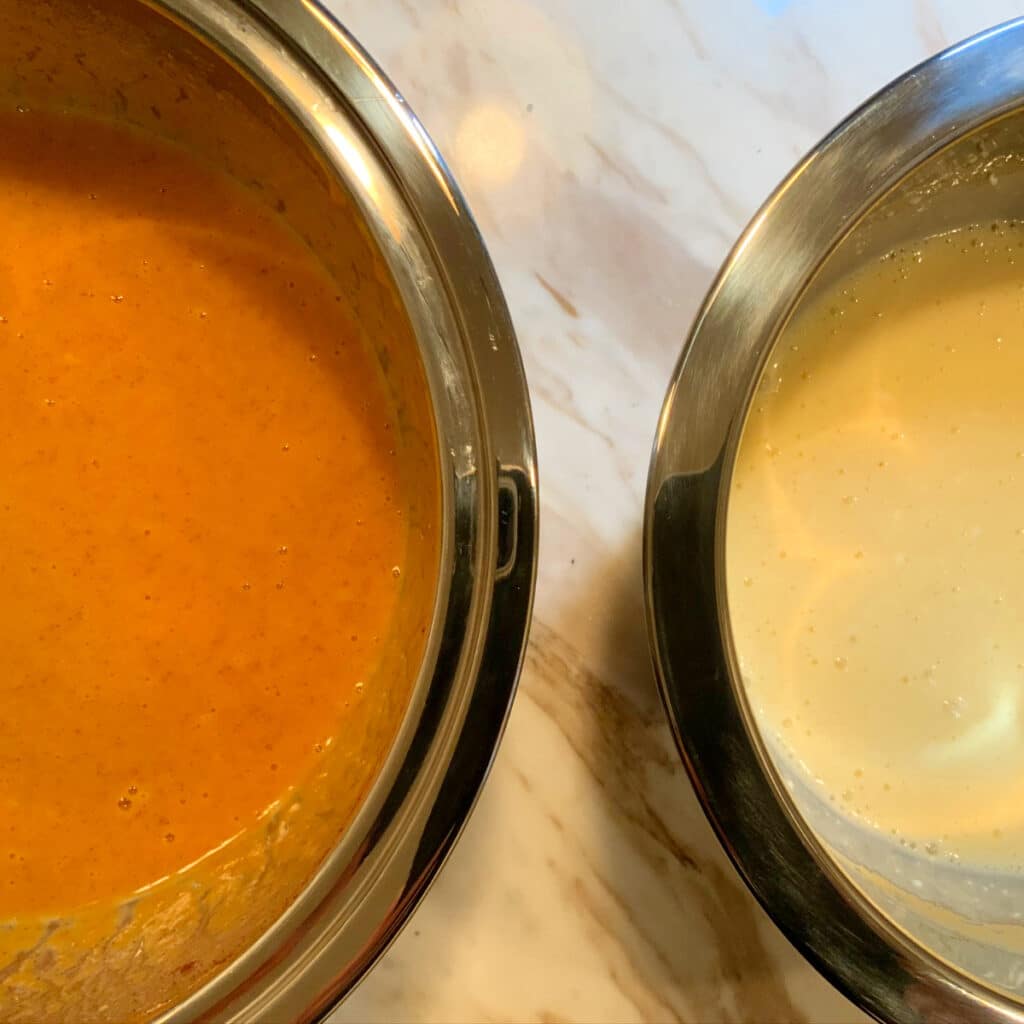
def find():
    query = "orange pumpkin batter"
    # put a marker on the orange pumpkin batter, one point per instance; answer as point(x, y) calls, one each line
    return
point(201, 532)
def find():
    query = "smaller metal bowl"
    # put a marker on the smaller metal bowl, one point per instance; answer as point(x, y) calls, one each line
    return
point(907, 938)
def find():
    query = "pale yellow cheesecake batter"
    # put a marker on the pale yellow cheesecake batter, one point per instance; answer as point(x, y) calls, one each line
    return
point(876, 545)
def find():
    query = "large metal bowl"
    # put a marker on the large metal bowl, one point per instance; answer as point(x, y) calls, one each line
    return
point(310, 118)
point(907, 937)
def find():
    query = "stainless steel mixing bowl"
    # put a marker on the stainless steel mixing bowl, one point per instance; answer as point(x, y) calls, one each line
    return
point(906, 936)
point(299, 113)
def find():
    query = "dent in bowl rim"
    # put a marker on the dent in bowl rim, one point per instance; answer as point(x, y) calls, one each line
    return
point(859, 950)
point(356, 904)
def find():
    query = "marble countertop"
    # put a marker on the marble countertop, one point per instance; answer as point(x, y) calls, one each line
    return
point(611, 153)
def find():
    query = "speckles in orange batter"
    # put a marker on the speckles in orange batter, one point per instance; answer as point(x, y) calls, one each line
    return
point(199, 511)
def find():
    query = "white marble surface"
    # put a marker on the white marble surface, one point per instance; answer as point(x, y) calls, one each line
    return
point(611, 153)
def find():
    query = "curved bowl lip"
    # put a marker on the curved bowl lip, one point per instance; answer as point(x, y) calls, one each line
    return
point(493, 546)
point(817, 907)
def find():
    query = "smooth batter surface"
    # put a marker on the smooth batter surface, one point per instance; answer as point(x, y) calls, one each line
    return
point(201, 530)
point(876, 545)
